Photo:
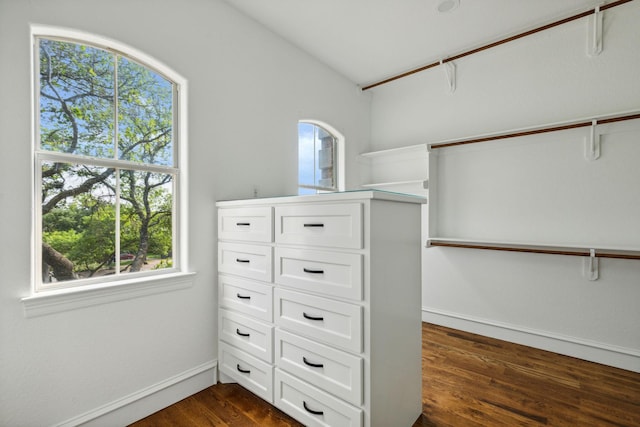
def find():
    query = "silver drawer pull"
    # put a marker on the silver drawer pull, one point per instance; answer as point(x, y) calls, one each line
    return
point(241, 260)
point(242, 334)
point(308, 316)
point(311, 411)
point(314, 224)
point(244, 371)
point(313, 365)
point(243, 296)
point(309, 270)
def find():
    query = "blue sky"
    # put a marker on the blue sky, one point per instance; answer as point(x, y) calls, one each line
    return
point(306, 155)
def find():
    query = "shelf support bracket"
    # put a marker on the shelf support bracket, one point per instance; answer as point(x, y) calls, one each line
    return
point(594, 33)
point(590, 266)
point(450, 73)
point(592, 144)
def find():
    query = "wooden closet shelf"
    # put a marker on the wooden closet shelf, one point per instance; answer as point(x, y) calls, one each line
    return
point(499, 42)
point(582, 123)
point(539, 249)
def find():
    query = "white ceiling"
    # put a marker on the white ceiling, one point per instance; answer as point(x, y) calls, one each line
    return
point(369, 40)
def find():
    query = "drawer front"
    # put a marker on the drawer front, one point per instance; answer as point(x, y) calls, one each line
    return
point(330, 273)
point(338, 225)
point(333, 322)
point(246, 224)
point(251, 373)
point(311, 406)
point(246, 296)
point(251, 261)
point(252, 336)
point(332, 370)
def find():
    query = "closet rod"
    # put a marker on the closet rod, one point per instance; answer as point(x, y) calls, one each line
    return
point(550, 250)
point(498, 43)
point(536, 131)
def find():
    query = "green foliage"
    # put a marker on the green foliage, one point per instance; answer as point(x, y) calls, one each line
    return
point(97, 244)
point(165, 263)
point(77, 108)
point(76, 97)
point(62, 241)
point(83, 232)
point(64, 218)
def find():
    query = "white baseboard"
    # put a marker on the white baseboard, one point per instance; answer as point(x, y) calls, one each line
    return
point(593, 351)
point(145, 402)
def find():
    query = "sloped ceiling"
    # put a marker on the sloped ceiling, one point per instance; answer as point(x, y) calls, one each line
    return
point(370, 40)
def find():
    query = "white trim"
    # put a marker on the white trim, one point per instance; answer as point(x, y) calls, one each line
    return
point(180, 232)
point(593, 351)
point(43, 303)
point(36, 169)
point(54, 156)
point(38, 30)
point(146, 401)
point(181, 222)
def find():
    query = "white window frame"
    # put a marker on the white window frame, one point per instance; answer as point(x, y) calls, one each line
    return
point(81, 292)
point(339, 155)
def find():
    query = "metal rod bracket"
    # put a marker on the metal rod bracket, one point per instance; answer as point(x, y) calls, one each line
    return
point(592, 143)
point(590, 266)
point(594, 32)
point(450, 73)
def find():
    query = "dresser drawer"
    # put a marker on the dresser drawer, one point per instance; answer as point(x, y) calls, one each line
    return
point(332, 370)
point(251, 261)
point(251, 373)
point(311, 406)
point(246, 224)
point(246, 296)
point(333, 322)
point(252, 336)
point(330, 273)
point(338, 225)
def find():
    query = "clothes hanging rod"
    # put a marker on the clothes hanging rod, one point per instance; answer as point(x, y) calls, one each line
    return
point(542, 249)
point(535, 131)
point(498, 43)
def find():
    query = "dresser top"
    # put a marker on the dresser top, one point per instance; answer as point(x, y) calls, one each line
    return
point(328, 197)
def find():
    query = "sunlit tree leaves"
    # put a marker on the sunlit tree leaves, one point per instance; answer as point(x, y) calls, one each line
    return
point(98, 104)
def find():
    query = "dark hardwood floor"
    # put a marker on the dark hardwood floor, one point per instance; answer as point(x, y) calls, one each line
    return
point(468, 380)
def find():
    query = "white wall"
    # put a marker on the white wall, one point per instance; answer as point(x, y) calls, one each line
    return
point(248, 88)
point(540, 300)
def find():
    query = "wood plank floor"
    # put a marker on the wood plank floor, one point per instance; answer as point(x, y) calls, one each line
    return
point(468, 380)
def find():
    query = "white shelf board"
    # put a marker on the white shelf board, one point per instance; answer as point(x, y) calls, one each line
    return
point(394, 151)
point(421, 182)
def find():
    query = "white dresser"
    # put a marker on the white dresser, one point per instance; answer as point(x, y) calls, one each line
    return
point(319, 305)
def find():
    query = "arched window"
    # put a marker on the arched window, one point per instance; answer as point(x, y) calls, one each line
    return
point(320, 158)
point(107, 163)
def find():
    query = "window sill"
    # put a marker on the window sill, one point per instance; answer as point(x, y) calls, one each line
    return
point(49, 302)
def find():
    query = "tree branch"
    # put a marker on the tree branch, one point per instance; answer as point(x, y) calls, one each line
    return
point(82, 188)
point(63, 104)
point(62, 267)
